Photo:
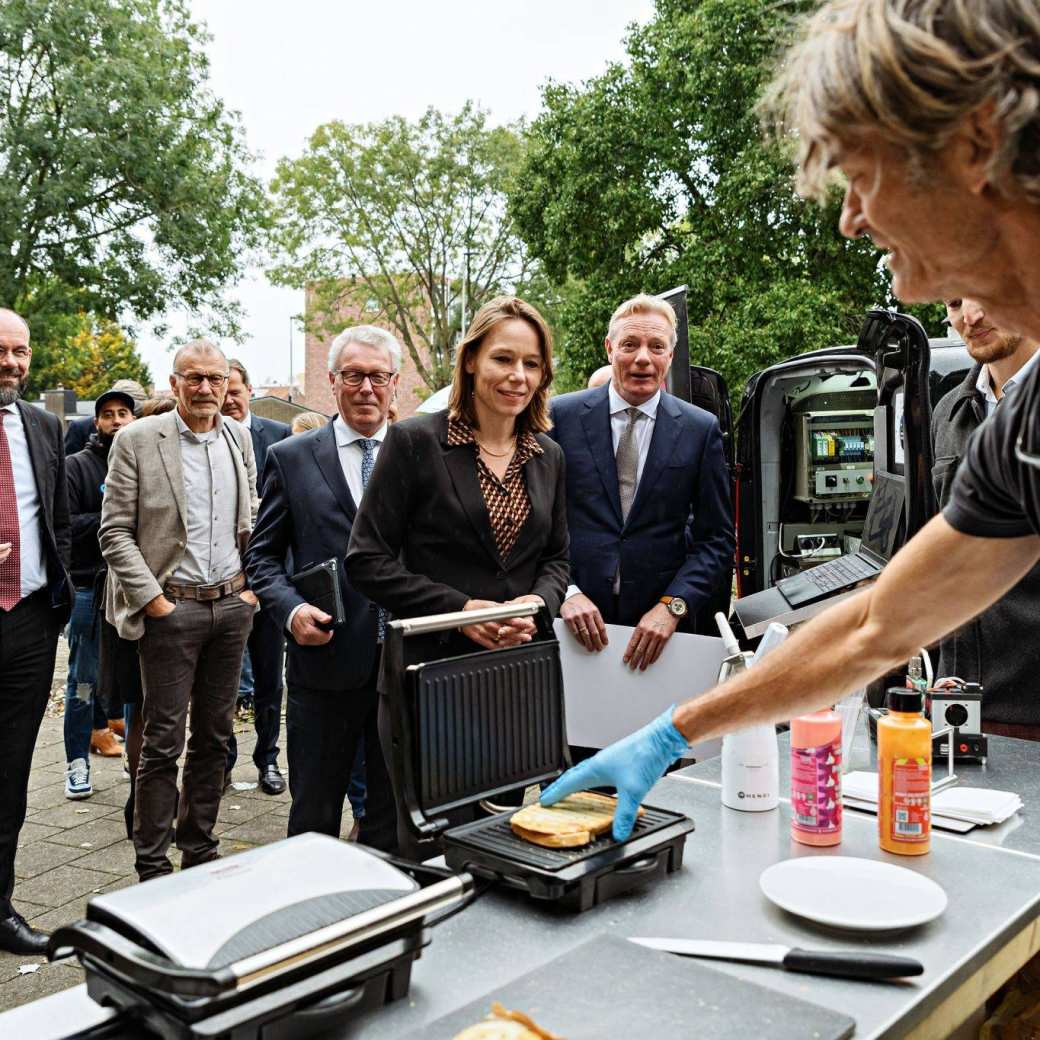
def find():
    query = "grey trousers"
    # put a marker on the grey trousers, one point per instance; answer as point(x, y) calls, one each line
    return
point(190, 658)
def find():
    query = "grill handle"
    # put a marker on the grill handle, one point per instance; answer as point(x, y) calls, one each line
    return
point(456, 619)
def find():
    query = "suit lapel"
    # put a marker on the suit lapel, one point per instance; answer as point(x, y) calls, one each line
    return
point(241, 474)
point(326, 454)
point(170, 453)
point(462, 469)
point(256, 434)
point(595, 421)
point(536, 477)
point(662, 444)
point(39, 455)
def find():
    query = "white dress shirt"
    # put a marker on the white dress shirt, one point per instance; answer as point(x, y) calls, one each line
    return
point(644, 426)
point(350, 453)
point(643, 433)
point(985, 383)
point(211, 499)
point(247, 422)
point(30, 552)
point(350, 456)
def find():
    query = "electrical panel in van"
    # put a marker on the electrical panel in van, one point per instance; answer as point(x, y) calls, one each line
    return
point(834, 456)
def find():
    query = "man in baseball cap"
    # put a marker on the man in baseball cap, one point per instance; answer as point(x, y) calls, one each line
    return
point(78, 431)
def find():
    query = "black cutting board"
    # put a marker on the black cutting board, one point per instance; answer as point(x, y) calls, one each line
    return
point(610, 988)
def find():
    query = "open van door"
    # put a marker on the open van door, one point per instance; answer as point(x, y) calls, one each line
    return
point(898, 345)
point(705, 388)
point(708, 390)
point(834, 456)
point(804, 454)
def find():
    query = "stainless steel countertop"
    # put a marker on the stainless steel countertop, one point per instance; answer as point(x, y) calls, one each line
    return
point(992, 879)
point(716, 895)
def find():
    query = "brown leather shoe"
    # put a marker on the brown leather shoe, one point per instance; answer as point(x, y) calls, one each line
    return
point(103, 742)
point(118, 727)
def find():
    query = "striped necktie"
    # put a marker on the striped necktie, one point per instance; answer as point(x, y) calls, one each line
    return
point(627, 458)
point(10, 531)
point(368, 463)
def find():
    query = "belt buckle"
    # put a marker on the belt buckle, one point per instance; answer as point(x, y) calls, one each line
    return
point(211, 593)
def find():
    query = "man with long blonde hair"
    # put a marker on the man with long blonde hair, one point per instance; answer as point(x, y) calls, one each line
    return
point(931, 111)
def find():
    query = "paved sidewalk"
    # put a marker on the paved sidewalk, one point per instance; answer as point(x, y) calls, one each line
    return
point(71, 850)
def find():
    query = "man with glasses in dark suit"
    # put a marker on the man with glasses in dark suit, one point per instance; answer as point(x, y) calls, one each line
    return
point(313, 487)
point(36, 597)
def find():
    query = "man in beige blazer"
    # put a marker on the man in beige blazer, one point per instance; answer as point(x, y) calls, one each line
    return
point(180, 500)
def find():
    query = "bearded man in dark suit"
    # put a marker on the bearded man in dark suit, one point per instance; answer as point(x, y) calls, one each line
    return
point(36, 597)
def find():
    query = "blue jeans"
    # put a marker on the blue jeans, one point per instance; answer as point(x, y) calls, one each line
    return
point(245, 680)
point(356, 790)
point(83, 712)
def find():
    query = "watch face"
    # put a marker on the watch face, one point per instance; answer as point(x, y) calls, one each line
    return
point(677, 606)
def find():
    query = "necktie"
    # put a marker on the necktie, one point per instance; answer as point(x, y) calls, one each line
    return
point(368, 462)
point(627, 459)
point(10, 569)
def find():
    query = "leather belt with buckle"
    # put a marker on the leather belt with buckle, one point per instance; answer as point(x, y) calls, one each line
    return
point(205, 593)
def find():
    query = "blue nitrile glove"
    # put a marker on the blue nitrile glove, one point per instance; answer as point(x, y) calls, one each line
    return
point(632, 766)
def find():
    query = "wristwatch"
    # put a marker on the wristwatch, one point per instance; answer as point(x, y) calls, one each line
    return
point(676, 605)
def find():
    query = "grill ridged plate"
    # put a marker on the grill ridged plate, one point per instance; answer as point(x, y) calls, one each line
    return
point(495, 837)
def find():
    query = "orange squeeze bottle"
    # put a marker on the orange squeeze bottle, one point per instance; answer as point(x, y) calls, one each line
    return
point(905, 775)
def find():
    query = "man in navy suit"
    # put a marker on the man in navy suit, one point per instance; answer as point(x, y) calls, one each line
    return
point(264, 656)
point(648, 499)
point(313, 485)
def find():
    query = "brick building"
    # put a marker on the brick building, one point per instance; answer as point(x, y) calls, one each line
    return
point(317, 393)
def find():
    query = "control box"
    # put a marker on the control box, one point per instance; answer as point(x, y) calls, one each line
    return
point(850, 479)
point(834, 456)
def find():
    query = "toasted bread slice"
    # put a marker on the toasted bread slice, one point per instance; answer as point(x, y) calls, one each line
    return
point(574, 821)
point(506, 1025)
point(553, 841)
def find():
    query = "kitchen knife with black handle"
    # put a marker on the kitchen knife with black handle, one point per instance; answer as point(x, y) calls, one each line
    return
point(850, 964)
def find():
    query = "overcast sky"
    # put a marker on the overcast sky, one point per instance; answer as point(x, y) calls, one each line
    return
point(289, 65)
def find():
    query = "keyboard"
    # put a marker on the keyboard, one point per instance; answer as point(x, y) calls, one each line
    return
point(833, 576)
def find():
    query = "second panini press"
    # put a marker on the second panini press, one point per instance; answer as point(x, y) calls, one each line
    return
point(470, 727)
point(281, 942)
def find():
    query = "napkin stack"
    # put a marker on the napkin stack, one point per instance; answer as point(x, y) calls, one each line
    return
point(963, 805)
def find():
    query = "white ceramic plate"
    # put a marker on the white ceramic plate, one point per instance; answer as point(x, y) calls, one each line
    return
point(846, 892)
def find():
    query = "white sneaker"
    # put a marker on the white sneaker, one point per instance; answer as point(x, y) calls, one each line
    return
point(77, 779)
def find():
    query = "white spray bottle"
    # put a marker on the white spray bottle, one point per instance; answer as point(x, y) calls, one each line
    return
point(751, 757)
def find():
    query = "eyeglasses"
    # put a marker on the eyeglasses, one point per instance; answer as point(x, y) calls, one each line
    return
point(195, 379)
point(352, 377)
point(21, 353)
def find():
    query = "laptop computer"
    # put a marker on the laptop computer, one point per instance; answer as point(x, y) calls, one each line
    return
point(846, 572)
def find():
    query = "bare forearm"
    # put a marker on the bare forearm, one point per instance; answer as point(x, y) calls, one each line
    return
point(934, 585)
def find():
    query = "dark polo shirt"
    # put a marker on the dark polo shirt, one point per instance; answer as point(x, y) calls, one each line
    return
point(995, 494)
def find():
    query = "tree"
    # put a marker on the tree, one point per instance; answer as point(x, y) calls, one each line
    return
point(86, 354)
point(656, 173)
point(404, 223)
point(123, 181)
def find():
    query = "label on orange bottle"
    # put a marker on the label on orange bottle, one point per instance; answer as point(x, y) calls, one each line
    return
point(911, 799)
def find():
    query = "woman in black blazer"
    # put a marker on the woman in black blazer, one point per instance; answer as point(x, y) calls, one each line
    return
point(466, 508)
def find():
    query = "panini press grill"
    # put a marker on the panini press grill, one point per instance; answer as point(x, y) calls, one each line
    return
point(469, 727)
point(280, 942)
